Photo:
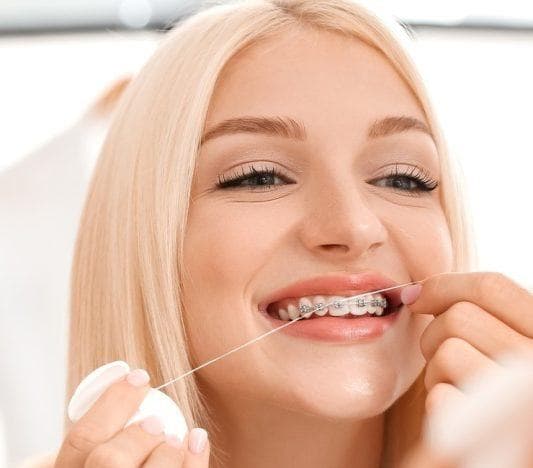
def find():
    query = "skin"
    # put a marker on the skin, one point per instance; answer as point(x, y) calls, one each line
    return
point(295, 402)
point(243, 244)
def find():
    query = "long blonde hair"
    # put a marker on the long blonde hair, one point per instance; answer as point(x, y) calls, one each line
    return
point(126, 283)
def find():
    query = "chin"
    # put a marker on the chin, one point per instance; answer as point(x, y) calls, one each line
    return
point(361, 398)
point(364, 389)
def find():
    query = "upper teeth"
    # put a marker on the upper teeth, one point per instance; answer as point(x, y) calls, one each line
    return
point(338, 306)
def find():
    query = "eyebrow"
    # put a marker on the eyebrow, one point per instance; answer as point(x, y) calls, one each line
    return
point(287, 127)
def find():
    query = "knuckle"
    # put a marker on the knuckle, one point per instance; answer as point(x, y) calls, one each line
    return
point(524, 345)
point(119, 390)
point(168, 454)
point(426, 341)
point(82, 437)
point(440, 280)
point(435, 396)
point(451, 347)
point(105, 456)
point(492, 282)
point(180, 455)
point(177, 452)
point(448, 352)
point(121, 395)
point(424, 347)
point(501, 289)
point(438, 367)
point(458, 317)
point(430, 375)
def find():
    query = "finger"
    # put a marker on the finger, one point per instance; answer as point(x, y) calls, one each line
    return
point(167, 455)
point(493, 292)
point(476, 326)
point(454, 362)
point(422, 457)
point(130, 447)
point(104, 419)
point(442, 394)
point(198, 448)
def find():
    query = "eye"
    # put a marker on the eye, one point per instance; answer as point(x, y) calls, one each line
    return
point(253, 179)
point(413, 181)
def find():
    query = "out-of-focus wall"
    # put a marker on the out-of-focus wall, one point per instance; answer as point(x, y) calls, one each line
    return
point(46, 81)
point(480, 83)
point(47, 86)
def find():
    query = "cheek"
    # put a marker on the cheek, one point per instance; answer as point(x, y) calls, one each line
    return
point(423, 240)
point(221, 257)
point(223, 252)
point(423, 243)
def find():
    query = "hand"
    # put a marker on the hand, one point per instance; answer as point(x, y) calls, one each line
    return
point(491, 426)
point(99, 438)
point(422, 457)
point(479, 316)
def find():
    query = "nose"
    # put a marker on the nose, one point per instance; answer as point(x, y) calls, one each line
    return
point(337, 220)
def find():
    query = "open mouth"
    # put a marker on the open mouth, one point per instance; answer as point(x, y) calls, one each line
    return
point(370, 305)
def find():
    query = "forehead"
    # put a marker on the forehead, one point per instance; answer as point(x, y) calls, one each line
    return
point(319, 77)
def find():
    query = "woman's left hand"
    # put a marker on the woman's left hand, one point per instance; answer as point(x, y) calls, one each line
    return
point(479, 316)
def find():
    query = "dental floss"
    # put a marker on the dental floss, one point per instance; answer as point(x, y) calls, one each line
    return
point(275, 330)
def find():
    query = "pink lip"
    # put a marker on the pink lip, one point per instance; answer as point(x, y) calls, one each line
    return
point(337, 329)
point(336, 284)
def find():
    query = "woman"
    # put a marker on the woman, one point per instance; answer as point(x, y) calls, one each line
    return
point(271, 144)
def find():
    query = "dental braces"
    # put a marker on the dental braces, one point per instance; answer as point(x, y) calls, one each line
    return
point(359, 302)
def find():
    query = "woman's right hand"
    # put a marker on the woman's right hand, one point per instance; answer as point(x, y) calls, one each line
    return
point(99, 439)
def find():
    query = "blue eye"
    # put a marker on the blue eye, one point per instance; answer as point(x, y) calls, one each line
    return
point(415, 181)
point(253, 179)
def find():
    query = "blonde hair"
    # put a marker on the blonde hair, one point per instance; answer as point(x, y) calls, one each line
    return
point(126, 283)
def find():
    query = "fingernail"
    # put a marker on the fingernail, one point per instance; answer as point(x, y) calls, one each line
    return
point(197, 440)
point(173, 440)
point(152, 425)
point(138, 377)
point(410, 293)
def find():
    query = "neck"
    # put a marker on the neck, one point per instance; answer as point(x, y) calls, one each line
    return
point(251, 433)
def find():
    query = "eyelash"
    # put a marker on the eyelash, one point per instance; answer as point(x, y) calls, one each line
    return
point(425, 182)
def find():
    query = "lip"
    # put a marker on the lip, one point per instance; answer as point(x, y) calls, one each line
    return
point(337, 329)
point(336, 284)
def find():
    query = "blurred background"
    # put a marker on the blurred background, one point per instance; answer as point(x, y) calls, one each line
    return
point(63, 66)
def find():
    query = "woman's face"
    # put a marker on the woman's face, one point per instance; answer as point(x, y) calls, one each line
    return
point(334, 205)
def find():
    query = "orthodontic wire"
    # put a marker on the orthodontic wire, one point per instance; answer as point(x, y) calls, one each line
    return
point(264, 335)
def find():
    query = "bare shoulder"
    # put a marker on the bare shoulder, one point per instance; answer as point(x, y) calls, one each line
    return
point(45, 460)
